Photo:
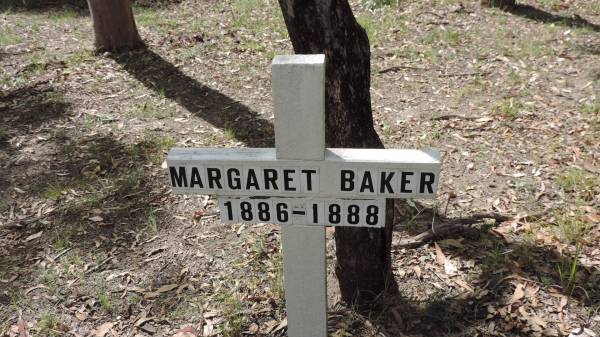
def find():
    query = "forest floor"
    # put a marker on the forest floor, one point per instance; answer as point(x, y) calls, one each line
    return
point(92, 242)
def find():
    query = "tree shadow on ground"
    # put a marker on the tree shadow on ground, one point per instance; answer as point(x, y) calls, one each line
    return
point(212, 106)
point(503, 262)
point(31, 106)
point(537, 14)
point(90, 176)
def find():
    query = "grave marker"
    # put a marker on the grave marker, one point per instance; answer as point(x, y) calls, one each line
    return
point(304, 186)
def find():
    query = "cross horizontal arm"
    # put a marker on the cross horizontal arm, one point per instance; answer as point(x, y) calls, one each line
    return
point(345, 173)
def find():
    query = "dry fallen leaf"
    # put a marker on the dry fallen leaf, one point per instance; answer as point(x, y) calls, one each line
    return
point(21, 328)
point(518, 294)
point(188, 331)
point(582, 332)
point(103, 329)
point(439, 255)
point(417, 270)
point(450, 267)
point(464, 284)
point(82, 316)
point(96, 218)
point(34, 236)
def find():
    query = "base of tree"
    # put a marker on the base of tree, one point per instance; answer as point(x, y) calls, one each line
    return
point(114, 26)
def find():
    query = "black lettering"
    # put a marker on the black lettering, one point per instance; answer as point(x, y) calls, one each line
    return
point(251, 180)
point(196, 179)
point(427, 179)
point(270, 179)
point(309, 174)
point(384, 182)
point(214, 177)
point(235, 183)
point(287, 180)
point(404, 181)
point(347, 180)
point(367, 183)
point(178, 179)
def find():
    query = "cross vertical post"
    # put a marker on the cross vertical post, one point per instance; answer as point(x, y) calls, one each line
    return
point(298, 83)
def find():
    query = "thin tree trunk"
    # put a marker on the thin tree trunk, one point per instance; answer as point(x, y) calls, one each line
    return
point(329, 27)
point(114, 25)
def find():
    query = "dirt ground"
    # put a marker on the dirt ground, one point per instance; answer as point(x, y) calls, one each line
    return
point(92, 242)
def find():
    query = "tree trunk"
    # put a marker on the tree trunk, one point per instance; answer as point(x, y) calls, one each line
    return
point(328, 26)
point(114, 25)
point(507, 4)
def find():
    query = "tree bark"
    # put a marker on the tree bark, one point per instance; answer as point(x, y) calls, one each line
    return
point(507, 4)
point(328, 26)
point(114, 25)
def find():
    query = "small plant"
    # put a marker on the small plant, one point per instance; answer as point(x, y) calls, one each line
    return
point(509, 108)
point(62, 238)
point(375, 4)
point(567, 272)
point(445, 36)
point(50, 325)
point(130, 180)
point(153, 147)
point(571, 227)
point(7, 37)
point(591, 109)
point(577, 180)
point(150, 109)
point(278, 289)
point(49, 279)
point(3, 135)
point(152, 223)
point(104, 301)
point(229, 133)
point(53, 192)
point(232, 309)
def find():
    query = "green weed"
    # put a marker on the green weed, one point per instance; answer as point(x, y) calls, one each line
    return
point(76, 58)
point(442, 36)
point(509, 108)
point(3, 135)
point(567, 272)
point(104, 301)
point(229, 133)
point(34, 69)
point(571, 227)
point(577, 180)
point(7, 37)
point(63, 15)
point(49, 279)
point(277, 285)
point(591, 109)
point(152, 221)
point(61, 238)
point(145, 16)
point(232, 309)
point(375, 4)
point(50, 325)
point(153, 147)
point(150, 109)
point(53, 192)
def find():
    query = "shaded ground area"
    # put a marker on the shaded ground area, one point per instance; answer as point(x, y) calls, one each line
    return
point(92, 241)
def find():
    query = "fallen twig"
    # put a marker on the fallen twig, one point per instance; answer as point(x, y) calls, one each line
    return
point(396, 68)
point(465, 74)
point(450, 227)
point(453, 116)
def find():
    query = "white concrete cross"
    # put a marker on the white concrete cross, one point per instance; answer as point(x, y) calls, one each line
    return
point(314, 186)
